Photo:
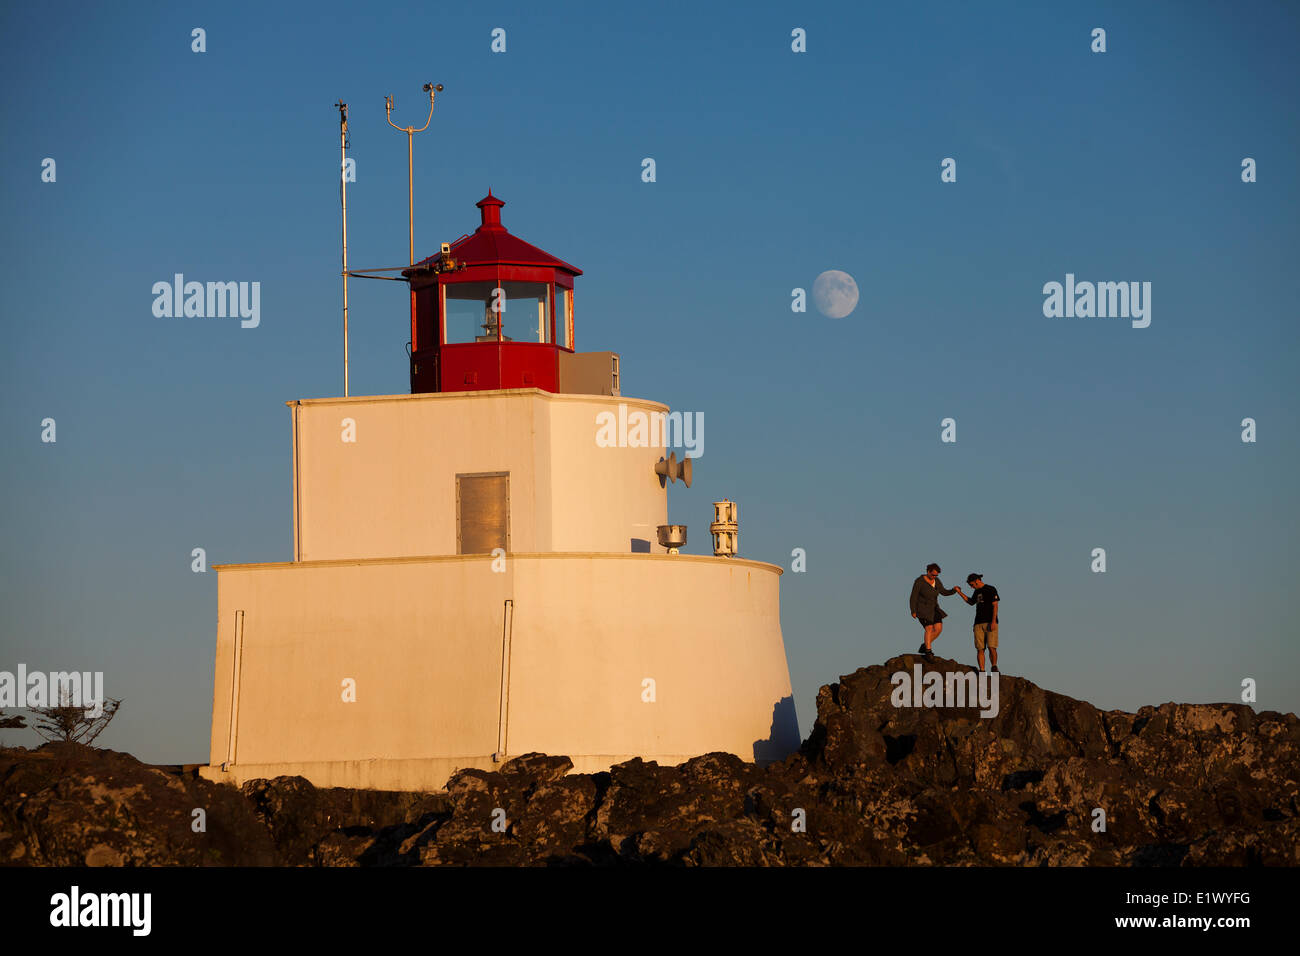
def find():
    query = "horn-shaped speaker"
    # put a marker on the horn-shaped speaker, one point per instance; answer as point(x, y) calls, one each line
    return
point(671, 469)
point(666, 468)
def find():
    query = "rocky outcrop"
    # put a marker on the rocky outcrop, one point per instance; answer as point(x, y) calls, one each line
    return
point(68, 804)
point(1046, 780)
point(1179, 783)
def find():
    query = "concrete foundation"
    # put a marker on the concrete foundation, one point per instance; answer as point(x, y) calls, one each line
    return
point(391, 673)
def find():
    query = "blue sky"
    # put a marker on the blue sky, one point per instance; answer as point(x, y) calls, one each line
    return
point(772, 167)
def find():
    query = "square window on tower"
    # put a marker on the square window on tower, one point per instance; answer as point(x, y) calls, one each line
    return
point(482, 513)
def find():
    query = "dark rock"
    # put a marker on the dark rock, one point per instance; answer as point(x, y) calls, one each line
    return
point(65, 804)
point(874, 784)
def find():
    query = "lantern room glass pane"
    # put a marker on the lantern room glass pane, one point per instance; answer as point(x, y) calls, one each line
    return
point(526, 313)
point(467, 311)
point(472, 311)
point(563, 315)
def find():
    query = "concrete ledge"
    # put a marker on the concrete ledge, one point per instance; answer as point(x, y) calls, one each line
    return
point(615, 400)
point(487, 559)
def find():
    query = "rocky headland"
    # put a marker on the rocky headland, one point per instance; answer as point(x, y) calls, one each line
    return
point(1047, 780)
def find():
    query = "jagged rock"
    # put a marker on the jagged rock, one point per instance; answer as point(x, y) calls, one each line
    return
point(69, 805)
point(535, 767)
point(874, 784)
point(332, 826)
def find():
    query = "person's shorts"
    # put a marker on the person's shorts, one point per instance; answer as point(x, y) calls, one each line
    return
point(924, 623)
point(986, 634)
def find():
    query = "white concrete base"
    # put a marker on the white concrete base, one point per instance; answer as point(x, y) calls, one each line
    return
point(391, 673)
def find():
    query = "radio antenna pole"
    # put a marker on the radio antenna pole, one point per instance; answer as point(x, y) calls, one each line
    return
point(343, 186)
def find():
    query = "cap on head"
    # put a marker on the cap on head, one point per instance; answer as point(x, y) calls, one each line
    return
point(932, 567)
point(972, 578)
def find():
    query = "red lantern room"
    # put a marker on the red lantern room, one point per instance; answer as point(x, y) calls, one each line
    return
point(490, 311)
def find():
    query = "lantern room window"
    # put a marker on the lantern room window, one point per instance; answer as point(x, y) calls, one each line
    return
point(525, 312)
point(563, 317)
point(466, 307)
point(480, 311)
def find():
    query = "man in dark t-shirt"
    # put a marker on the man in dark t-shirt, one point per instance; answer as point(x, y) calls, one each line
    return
point(985, 599)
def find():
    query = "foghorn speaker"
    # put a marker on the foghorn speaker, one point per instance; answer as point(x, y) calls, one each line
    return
point(665, 468)
point(671, 469)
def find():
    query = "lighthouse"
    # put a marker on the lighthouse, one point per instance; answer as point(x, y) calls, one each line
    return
point(476, 575)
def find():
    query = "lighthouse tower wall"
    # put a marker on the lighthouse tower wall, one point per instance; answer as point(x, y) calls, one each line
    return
point(377, 476)
point(393, 673)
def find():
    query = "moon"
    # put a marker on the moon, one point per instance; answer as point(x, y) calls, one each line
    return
point(835, 294)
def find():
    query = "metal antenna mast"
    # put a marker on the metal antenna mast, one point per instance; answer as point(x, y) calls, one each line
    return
point(432, 90)
point(343, 185)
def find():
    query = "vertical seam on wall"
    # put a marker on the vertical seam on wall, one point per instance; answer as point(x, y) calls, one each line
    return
point(237, 668)
point(297, 486)
point(503, 715)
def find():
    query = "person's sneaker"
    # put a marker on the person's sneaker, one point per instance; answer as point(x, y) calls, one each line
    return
point(922, 650)
point(995, 670)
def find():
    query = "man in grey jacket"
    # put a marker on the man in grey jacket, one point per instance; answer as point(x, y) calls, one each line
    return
point(924, 604)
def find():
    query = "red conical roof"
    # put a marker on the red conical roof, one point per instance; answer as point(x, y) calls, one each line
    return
point(493, 244)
